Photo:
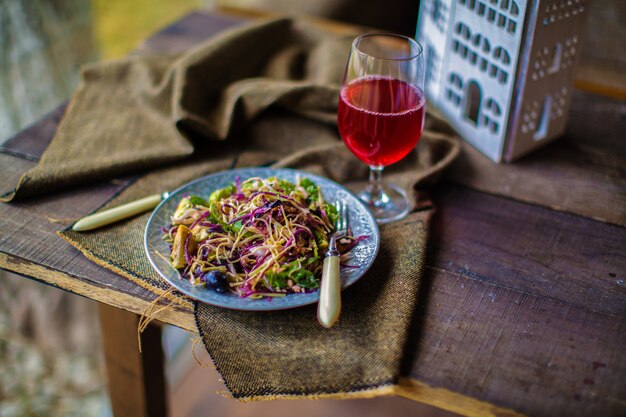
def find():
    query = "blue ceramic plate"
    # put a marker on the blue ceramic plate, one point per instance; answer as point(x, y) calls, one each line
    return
point(361, 222)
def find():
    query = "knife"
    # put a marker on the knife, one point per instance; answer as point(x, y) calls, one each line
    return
point(118, 213)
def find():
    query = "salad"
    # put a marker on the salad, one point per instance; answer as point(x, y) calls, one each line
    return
point(257, 238)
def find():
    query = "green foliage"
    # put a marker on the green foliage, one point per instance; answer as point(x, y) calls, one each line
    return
point(198, 201)
point(297, 272)
point(331, 212)
point(222, 193)
point(311, 189)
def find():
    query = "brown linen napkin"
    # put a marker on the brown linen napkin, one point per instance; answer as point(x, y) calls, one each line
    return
point(128, 115)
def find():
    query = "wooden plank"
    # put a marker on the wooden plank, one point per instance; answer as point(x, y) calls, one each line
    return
point(136, 379)
point(511, 349)
point(32, 141)
point(11, 171)
point(137, 301)
point(198, 26)
point(523, 308)
point(531, 249)
point(190, 30)
point(339, 27)
point(593, 77)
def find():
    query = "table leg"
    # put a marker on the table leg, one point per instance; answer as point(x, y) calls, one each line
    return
point(136, 380)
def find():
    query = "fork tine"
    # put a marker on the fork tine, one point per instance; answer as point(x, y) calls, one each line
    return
point(343, 215)
point(341, 225)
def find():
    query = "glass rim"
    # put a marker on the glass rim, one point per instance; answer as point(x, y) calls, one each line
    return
point(420, 49)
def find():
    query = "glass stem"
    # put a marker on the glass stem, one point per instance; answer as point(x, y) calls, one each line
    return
point(375, 187)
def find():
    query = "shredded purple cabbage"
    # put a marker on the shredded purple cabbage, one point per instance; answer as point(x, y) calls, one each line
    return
point(262, 236)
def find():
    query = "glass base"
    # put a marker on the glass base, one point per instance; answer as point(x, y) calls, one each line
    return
point(391, 205)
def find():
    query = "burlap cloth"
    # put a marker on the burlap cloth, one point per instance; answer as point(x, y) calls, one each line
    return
point(261, 94)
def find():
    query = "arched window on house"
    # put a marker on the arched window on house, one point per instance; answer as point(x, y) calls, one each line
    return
point(476, 39)
point(481, 9)
point(455, 80)
point(511, 26)
point(481, 42)
point(486, 46)
point(493, 107)
point(463, 30)
point(455, 88)
point(502, 55)
point(502, 13)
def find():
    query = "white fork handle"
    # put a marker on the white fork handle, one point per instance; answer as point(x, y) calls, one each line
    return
point(329, 305)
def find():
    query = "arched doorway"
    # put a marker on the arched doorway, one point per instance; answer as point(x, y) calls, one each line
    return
point(472, 101)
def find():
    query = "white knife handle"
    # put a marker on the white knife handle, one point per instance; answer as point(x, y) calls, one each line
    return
point(329, 305)
point(118, 213)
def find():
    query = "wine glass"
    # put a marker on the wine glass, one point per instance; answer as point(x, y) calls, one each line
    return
point(381, 113)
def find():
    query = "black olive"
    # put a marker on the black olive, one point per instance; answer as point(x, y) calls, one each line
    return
point(216, 280)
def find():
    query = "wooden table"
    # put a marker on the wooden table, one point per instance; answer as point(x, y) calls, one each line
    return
point(523, 308)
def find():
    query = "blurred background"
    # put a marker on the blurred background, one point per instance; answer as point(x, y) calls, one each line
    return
point(50, 357)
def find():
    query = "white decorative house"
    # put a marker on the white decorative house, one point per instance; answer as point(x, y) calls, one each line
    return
point(501, 71)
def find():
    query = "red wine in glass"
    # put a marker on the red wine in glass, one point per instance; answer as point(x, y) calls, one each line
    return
point(380, 119)
point(381, 113)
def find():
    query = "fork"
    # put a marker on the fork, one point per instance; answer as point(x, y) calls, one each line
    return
point(329, 305)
